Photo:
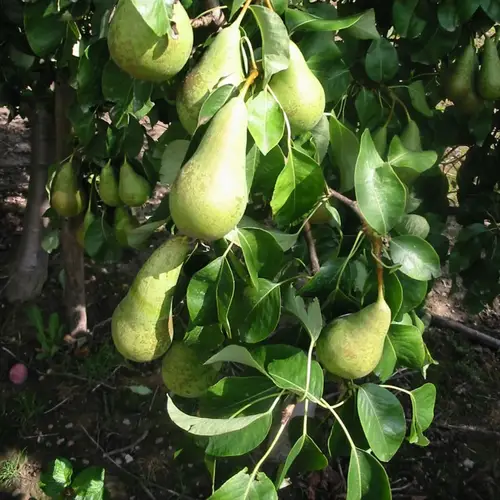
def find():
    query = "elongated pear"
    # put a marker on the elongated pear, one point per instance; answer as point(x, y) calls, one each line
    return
point(219, 65)
point(108, 186)
point(299, 92)
point(140, 322)
point(410, 138)
point(67, 198)
point(84, 226)
point(124, 222)
point(209, 196)
point(460, 80)
point(133, 189)
point(136, 48)
point(351, 346)
point(489, 76)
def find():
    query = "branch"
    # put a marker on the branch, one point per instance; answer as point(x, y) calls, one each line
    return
point(313, 254)
point(213, 14)
point(347, 201)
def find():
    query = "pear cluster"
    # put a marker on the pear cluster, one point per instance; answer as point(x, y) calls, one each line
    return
point(468, 84)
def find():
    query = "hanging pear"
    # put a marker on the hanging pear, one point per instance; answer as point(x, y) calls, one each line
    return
point(351, 346)
point(209, 196)
point(219, 65)
point(108, 186)
point(489, 76)
point(137, 50)
point(124, 223)
point(67, 198)
point(184, 373)
point(321, 215)
point(410, 138)
point(133, 189)
point(299, 92)
point(140, 322)
point(380, 140)
point(84, 226)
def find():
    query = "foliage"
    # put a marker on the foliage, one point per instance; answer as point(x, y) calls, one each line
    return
point(50, 338)
point(250, 297)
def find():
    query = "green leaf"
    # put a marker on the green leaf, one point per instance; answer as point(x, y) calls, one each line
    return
point(297, 189)
point(414, 293)
point(300, 20)
point(117, 85)
point(383, 420)
point(409, 164)
point(56, 477)
point(213, 103)
point(267, 169)
point(407, 23)
point(393, 292)
point(291, 373)
point(365, 28)
point(408, 345)
point(198, 426)
point(202, 294)
point(260, 310)
point(381, 196)
point(246, 487)
point(416, 90)
point(310, 318)
point(237, 354)
point(448, 15)
point(204, 338)
point(266, 122)
point(345, 148)
point(225, 294)
point(381, 62)
point(321, 138)
point(263, 256)
point(88, 76)
point(284, 240)
point(413, 224)
point(172, 160)
point(324, 279)
point(369, 108)
point(137, 237)
point(387, 364)
point(44, 32)
point(156, 14)
point(417, 258)
point(89, 484)
point(467, 8)
point(275, 41)
point(367, 478)
point(50, 241)
point(423, 400)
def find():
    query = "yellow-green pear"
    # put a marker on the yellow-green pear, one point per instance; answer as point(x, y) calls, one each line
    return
point(460, 79)
point(351, 346)
point(124, 223)
point(219, 65)
point(133, 189)
point(108, 186)
point(84, 226)
point(209, 195)
point(184, 373)
point(140, 322)
point(136, 48)
point(67, 198)
point(299, 92)
point(410, 138)
point(488, 83)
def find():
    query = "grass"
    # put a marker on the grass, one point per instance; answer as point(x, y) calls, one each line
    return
point(99, 365)
point(28, 408)
point(10, 468)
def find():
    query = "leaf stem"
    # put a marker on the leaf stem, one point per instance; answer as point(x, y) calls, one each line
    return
point(394, 388)
point(263, 398)
point(313, 254)
point(252, 55)
point(326, 405)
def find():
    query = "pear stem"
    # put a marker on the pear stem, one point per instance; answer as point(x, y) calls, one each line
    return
point(249, 81)
point(377, 250)
point(269, 5)
point(401, 103)
point(243, 11)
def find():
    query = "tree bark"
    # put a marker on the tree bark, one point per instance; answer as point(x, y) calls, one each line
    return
point(30, 270)
point(72, 252)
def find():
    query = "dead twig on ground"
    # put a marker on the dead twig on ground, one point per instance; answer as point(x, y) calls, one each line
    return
point(131, 446)
point(467, 428)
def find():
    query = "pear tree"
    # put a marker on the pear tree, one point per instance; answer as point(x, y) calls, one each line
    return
point(303, 158)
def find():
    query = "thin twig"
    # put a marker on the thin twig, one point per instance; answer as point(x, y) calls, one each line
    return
point(313, 254)
point(347, 201)
point(141, 438)
point(467, 428)
point(58, 405)
point(77, 377)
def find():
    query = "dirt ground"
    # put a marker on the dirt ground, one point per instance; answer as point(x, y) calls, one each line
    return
point(81, 406)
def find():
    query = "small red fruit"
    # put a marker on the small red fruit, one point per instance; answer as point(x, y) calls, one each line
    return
point(18, 374)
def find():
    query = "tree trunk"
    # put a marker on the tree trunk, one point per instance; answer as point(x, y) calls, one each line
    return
point(72, 252)
point(30, 270)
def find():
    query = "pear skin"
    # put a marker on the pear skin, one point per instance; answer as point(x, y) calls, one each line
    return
point(133, 189)
point(352, 345)
point(124, 222)
point(137, 50)
point(321, 215)
point(108, 186)
point(209, 195)
point(299, 92)
point(410, 137)
point(140, 322)
point(66, 197)
point(184, 373)
point(82, 230)
point(220, 65)
point(488, 83)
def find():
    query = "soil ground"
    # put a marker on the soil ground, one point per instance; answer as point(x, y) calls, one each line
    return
point(81, 406)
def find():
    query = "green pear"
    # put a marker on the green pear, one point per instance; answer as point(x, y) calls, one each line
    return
point(184, 373)
point(351, 346)
point(84, 226)
point(137, 50)
point(140, 323)
point(124, 223)
point(380, 140)
point(108, 186)
point(489, 76)
point(321, 215)
point(133, 189)
point(219, 65)
point(410, 138)
point(67, 198)
point(460, 80)
point(209, 195)
point(470, 104)
point(299, 92)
